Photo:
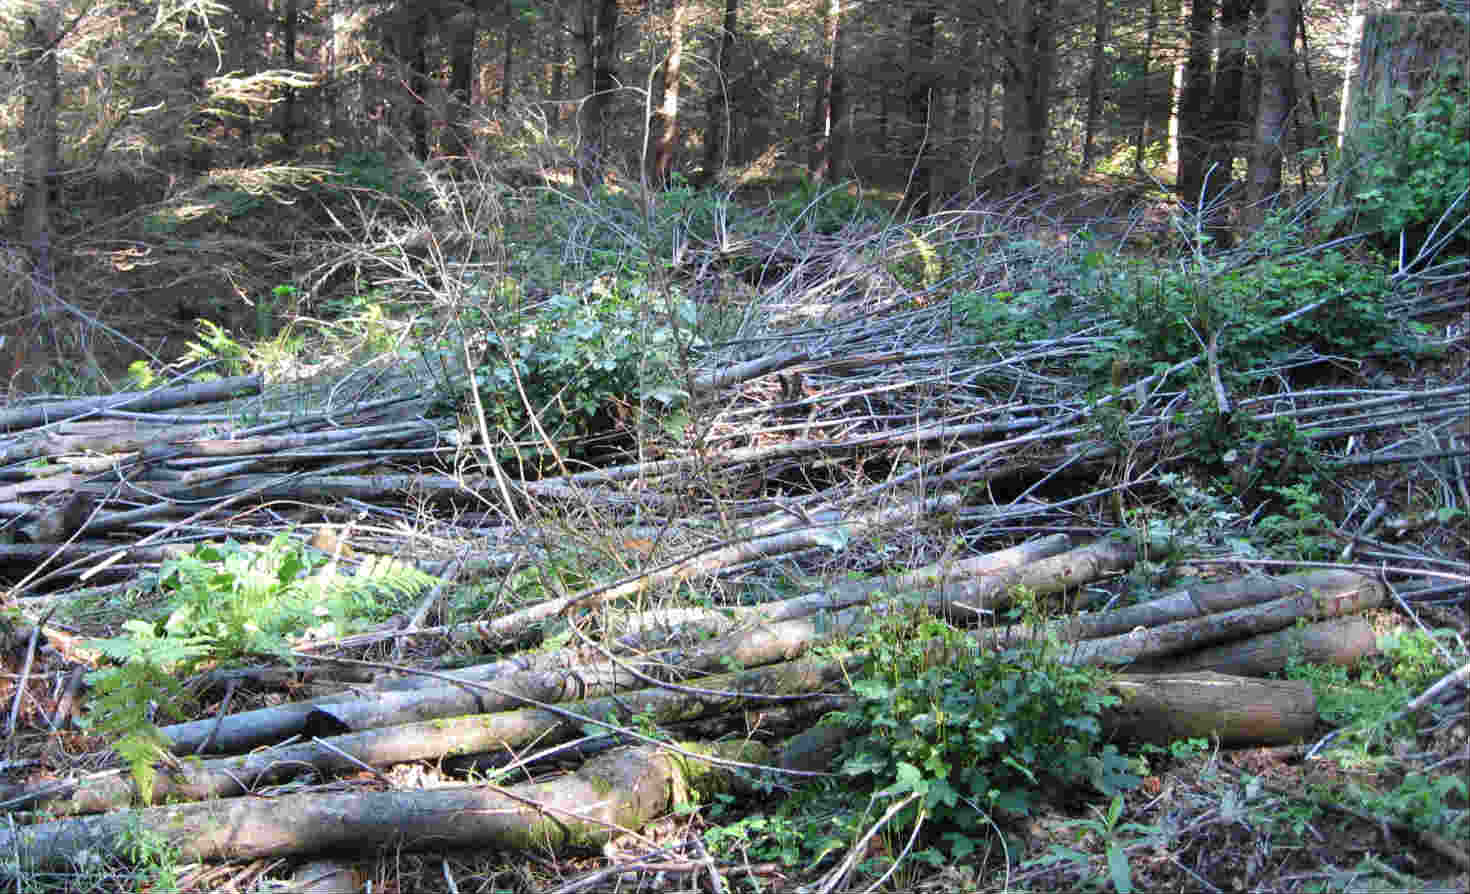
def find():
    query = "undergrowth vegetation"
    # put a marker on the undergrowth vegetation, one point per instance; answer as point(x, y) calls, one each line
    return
point(565, 328)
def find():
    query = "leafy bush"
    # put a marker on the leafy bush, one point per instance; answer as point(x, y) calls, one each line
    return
point(373, 172)
point(1415, 163)
point(576, 359)
point(823, 208)
point(973, 730)
point(1171, 316)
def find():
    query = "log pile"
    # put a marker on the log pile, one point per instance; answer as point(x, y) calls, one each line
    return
point(875, 443)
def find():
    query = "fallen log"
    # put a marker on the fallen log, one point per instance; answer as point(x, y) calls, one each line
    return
point(432, 739)
point(609, 795)
point(1184, 636)
point(558, 676)
point(1155, 709)
point(1233, 711)
point(137, 401)
point(1340, 641)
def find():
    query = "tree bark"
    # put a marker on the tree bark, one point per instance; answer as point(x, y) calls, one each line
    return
point(1193, 143)
point(619, 790)
point(1140, 140)
point(290, 19)
point(920, 102)
point(1233, 711)
point(1273, 108)
point(463, 30)
point(1339, 641)
point(717, 109)
point(819, 164)
point(1029, 66)
point(665, 124)
point(599, 52)
point(1094, 81)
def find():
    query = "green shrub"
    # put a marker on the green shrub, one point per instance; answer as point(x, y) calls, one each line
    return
point(823, 208)
point(974, 730)
point(577, 358)
point(1414, 162)
point(1171, 316)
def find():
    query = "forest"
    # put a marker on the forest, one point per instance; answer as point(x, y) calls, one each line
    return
point(744, 446)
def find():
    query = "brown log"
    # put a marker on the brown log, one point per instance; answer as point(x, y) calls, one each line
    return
point(1186, 636)
point(1207, 599)
point(1340, 641)
point(1160, 708)
point(620, 790)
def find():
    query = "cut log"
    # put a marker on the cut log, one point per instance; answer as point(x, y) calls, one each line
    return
point(614, 792)
point(1340, 641)
point(432, 739)
point(136, 401)
point(1160, 708)
point(1186, 636)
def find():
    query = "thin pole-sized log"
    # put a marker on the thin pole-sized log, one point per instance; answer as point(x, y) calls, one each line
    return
point(1184, 636)
point(158, 399)
point(1339, 641)
point(432, 739)
point(609, 795)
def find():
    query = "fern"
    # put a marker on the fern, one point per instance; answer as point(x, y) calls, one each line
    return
point(230, 602)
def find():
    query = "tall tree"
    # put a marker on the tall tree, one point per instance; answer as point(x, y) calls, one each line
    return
point(290, 21)
point(597, 51)
point(717, 109)
point(1228, 128)
point(666, 122)
point(1278, 29)
point(1192, 142)
point(462, 30)
point(1030, 59)
point(42, 146)
point(920, 101)
point(1095, 80)
point(829, 87)
point(1140, 138)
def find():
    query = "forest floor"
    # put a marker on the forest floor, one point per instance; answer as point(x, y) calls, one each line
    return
point(1079, 363)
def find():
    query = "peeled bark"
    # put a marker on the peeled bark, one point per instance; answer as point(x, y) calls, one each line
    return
point(665, 125)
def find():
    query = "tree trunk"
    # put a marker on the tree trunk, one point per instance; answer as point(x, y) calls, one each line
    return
point(963, 119)
point(463, 30)
point(1193, 142)
point(1350, 71)
point(920, 100)
point(1140, 140)
point(717, 110)
point(1094, 81)
point(1273, 107)
point(1028, 90)
point(666, 121)
point(41, 141)
point(819, 164)
point(1232, 711)
point(290, 14)
point(599, 55)
point(611, 792)
point(505, 66)
point(558, 66)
